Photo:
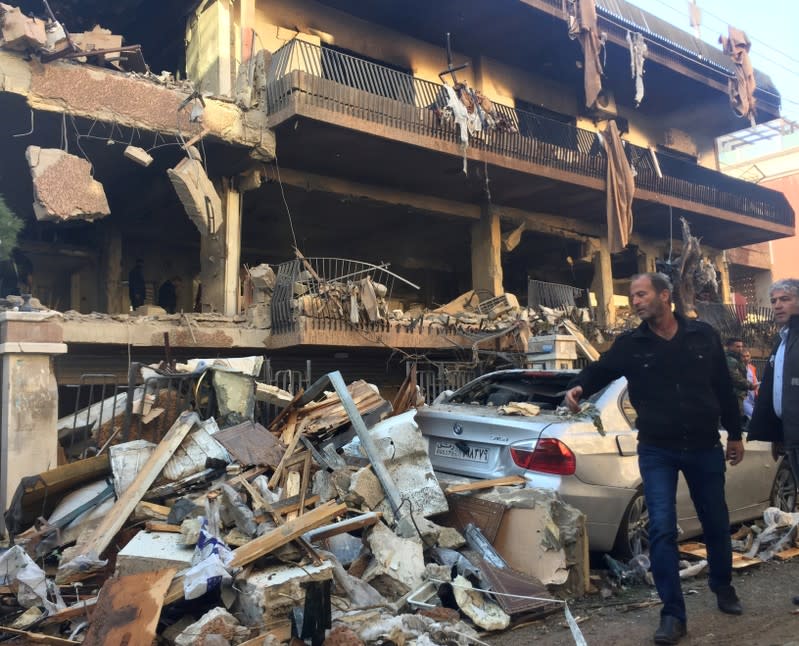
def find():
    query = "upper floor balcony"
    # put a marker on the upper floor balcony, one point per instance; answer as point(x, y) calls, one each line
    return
point(339, 114)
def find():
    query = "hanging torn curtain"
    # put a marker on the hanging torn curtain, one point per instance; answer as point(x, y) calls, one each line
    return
point(620, 190)
point(638, 52)
point(742, 86)
point(583, 27)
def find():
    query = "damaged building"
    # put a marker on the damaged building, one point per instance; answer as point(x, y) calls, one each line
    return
point(319, 181)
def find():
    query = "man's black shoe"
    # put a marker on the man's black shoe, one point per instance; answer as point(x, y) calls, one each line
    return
point(728, 601)
point(670, 631)
point(796, 601)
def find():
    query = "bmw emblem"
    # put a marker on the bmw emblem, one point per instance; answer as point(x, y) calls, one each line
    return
point(457, 429)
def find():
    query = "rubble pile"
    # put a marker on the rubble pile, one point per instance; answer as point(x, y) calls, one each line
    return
point(326, 525)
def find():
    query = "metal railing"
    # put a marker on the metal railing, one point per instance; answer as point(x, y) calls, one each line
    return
point(303, 73)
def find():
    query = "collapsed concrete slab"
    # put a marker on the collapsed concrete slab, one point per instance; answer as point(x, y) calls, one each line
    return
point(63, 187)
point(198, 195)
point(152, 551)
point(216, 621)
point(18, 31)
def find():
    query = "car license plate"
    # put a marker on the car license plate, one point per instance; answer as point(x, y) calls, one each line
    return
point(470, 453)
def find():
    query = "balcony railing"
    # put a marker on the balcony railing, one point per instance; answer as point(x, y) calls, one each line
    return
point(304, 73)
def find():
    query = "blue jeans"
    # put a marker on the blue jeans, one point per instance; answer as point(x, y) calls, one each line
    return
point(704, 473)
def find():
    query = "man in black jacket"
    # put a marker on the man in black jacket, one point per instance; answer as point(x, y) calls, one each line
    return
point(775, 417)
point(680, 387)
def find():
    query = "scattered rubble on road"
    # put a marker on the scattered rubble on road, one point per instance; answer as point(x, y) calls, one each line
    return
point(326, 524)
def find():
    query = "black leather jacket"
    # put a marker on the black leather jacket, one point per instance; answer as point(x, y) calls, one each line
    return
point(679, 388)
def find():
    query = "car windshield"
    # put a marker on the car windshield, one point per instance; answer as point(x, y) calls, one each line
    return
point(498, 390)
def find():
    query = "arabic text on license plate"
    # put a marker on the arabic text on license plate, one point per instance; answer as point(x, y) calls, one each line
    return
point(471, 453)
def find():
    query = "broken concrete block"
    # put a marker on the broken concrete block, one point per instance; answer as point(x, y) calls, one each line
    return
point(149, 310)
point(450, 538)
point(19, 32)
point(341, 479)
point(268, 595)
point(63, 187)
point(190, 530)
point(152, 551)
point(272, 395)
point(263, 278)
point(418, 528)
point(98, 38)
point(365, 489)
point(260, 316)
point(483, 612)
point(323, 486)
point(235, 394)
point(404, 451)
point(138, 155)
point(241, 514)
point(198, 195)
point(397, 565)
point(216, 621)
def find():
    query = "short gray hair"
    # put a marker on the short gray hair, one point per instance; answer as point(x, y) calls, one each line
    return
point(658, 279)
point(790, 285)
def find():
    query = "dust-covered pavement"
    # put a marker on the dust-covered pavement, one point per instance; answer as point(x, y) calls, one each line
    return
point(766, 592)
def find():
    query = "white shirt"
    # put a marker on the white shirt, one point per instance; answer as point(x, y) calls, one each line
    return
point(779, 369)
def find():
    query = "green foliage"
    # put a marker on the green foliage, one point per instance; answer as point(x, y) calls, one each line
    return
point(10, 226)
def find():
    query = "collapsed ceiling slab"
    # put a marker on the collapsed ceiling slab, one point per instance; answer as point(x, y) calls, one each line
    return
point(133, 101)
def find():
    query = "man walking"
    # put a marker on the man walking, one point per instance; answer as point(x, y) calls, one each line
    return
point(680, 386)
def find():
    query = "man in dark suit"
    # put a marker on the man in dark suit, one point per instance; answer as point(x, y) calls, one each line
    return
point(775, 417)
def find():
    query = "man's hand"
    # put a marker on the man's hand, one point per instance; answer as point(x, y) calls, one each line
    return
point(572, 399)
point(735, 451)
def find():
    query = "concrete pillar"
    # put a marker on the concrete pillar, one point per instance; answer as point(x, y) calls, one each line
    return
point(29, 404)
point(220, 255)
point(487, 253)
point(111, 289)
point(231, 201)
point(723, 267)
point(602, 286)
point(223, 41)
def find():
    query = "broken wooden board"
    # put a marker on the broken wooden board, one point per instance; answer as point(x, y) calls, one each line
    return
point(484, 514)
point(272, 395)
point(39, 638)
point(739, 561)
point(485, 484)
point(128, 609)
point(788, 554)
point(79, 609)
point(251, 444)
point(124, 506)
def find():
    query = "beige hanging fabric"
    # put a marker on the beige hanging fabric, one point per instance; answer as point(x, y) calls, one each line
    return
point(583, 27)
point(620, 190)
point(742, 86)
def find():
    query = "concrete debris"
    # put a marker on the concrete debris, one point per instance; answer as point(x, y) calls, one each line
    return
point(19, 32)
point(198, 195)
point(63, 186)
point(397, 565)
point(285, 533)
point(138, 155)
point(216, 621)
point(482, 611)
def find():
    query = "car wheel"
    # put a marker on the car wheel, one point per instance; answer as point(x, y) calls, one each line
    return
point(783, 491)
point(633, 536)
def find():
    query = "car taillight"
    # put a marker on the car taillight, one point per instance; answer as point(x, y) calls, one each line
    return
point(549, 456)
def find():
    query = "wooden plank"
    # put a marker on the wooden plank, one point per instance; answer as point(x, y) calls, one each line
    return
point(151, 511)
point(790, 553)
point(349, 525)
point(286, 456)
point(304, 482)
point(485, 484)
point(128, 609)
point(275, 424)
point(739, 561)
point(76, 610)
point(39, 638)
point(292, 488)
point(248, 475)
point(122, 509)
point(270, 541)
point(287, 436)
point(155, 526)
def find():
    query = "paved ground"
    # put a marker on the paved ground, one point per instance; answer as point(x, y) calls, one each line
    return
point(766, 591)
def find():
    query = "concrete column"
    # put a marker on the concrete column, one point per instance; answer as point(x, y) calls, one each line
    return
point(724, 277)
point(231, 200)
point(602, 286)
point(225, 70)
point(487, 252)
point(29, 404)
point(111, 289)
point(220, 255)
